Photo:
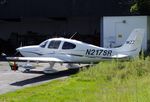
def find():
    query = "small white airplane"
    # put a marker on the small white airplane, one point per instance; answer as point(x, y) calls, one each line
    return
point(62, 50)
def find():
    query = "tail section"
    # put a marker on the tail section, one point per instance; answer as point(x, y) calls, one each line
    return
point(133, 44)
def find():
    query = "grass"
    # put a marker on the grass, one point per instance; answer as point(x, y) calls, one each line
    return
point(108, 81)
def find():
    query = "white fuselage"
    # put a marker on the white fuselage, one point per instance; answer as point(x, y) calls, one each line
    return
point(70, 50)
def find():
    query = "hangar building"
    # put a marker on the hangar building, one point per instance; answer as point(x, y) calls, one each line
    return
point(25, 22)
point(120, 28)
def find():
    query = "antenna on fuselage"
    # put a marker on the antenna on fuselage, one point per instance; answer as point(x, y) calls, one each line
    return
point(73, 35)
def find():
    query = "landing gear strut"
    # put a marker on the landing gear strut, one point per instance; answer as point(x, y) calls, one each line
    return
point(50, 68)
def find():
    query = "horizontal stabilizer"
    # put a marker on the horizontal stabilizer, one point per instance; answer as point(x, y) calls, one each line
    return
point(120, 56)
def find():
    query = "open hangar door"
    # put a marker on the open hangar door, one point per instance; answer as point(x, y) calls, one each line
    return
point(32, 31)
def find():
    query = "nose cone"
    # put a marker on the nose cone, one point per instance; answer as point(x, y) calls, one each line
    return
point(27, 51)
point(18, 49)
point(22, 50)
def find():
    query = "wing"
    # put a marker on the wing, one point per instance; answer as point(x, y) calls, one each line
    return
point(39, 59)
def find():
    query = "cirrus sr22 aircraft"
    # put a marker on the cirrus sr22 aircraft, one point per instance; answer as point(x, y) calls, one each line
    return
point(62, 50)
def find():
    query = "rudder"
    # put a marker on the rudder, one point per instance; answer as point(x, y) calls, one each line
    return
point(133, 44)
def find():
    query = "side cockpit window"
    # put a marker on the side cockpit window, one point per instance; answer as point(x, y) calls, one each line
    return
point(68, 45)
point(54, 44)
point(43, 44)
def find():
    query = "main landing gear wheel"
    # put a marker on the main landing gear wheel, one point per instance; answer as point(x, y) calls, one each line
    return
point(72, 66)
point(50, 69)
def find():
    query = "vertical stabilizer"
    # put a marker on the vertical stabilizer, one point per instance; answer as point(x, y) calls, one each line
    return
point(133, 44)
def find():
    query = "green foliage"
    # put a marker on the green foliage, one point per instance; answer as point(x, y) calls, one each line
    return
point(134, 8)
point(140, 6)
point(108, 81)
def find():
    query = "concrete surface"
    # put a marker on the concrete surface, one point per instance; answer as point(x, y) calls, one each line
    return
point(13, 80)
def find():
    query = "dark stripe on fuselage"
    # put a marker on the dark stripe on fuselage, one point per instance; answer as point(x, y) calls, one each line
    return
point(73, 55)
point(52, 53)
point(77, 55)
point(33, 53)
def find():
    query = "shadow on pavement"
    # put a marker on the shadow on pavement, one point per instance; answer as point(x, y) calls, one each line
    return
point(46, 77)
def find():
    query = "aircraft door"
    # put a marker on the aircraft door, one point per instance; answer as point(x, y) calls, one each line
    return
point(53, 47)
point(121, 33)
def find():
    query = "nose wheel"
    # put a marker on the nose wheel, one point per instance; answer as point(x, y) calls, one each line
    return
point(26, 70)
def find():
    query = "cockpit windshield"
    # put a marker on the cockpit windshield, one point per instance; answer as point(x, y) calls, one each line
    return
point(43, 44)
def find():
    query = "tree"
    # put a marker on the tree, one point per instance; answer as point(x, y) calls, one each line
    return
point(140, 6)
